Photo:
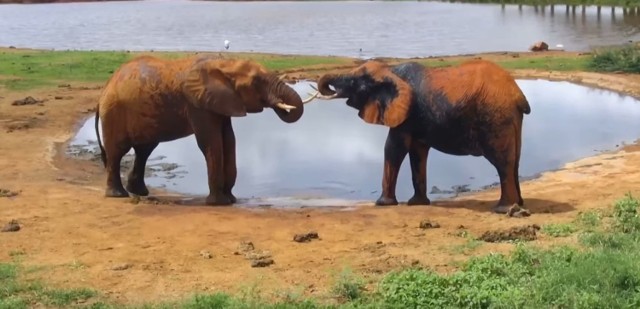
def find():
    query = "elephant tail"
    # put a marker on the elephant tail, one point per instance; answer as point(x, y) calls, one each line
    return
point(103, 155)
point(523, 106)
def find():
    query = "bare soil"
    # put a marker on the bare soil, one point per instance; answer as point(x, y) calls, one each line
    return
point(155, 249)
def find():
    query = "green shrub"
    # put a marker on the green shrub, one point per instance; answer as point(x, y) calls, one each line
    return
point(616, 59)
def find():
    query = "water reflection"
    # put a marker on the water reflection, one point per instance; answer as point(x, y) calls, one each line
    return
point(415, 29)
point(331, 155)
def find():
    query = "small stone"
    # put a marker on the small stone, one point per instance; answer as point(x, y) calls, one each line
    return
point(245, 246)
point(517, 212)
point(12, 226)
point(262, 262)
point(428, 224)
point(120, 267)
point(26, 101)
point(205, 254)
point(305, 237)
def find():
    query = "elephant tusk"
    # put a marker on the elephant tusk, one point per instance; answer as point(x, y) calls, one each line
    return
point(318, 96)
point(286, 107)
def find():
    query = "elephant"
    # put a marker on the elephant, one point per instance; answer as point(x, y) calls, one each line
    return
point(475, 108)
point(149, 100)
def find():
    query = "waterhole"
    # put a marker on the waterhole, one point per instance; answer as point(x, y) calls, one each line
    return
point(330, 157)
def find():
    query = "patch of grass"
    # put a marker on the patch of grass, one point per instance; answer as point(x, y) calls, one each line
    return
point(468, 246)
point(624, 58)
point(559, 229)
point(348, 286)
point(23, 70)
point(589, 221)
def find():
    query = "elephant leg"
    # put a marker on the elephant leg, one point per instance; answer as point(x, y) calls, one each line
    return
point(395, 150)
point(135, 180)
point(208, 131)
point(517, 163)
point(115, 152)
point(502, 155)
point(230, 169)
point(418, 154)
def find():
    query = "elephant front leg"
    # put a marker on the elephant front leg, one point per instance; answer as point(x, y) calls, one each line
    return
point(230, 168)
point(418, 154)
point(208, 131)
point(395, 150)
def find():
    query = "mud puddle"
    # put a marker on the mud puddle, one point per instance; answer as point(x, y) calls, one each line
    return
point(332, 158)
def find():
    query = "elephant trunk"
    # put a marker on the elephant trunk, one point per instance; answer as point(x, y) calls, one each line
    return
point(279, 92)
point(324, 82)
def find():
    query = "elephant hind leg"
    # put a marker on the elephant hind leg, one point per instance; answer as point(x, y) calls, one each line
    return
point(229, 155)
point(501, 152)
point(135, 180)
point(115, 152)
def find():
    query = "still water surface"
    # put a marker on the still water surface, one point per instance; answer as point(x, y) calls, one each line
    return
point(349, 28)
point(330, 155)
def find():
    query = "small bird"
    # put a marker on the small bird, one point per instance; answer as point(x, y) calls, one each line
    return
point(226, 44)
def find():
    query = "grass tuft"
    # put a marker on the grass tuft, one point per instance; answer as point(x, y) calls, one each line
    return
point(624, 59)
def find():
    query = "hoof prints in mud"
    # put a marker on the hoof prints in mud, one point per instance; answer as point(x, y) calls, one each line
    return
point(258, 258)
point(305, 237)
point(522, 233)
point(12, 226)
point(92, 153)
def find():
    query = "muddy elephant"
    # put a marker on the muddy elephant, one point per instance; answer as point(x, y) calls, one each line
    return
point(149, 100)
point(474, 109)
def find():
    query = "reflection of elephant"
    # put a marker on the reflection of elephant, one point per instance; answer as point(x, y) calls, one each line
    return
point(473, 109)
point(150, 100)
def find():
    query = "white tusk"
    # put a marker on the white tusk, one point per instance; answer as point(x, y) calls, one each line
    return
point(286, 107)
point(281, 77)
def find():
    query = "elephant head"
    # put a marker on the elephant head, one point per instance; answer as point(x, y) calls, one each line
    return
point(236, 87)
point(372, 88)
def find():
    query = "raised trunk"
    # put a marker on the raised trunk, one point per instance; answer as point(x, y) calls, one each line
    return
point(281, 92)
point(323, 84)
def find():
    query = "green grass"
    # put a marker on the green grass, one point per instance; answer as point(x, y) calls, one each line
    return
point(559, 229)
point(600, 271)
point(22, 70)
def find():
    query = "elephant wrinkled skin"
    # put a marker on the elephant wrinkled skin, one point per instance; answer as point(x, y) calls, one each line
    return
point(150, 100)
point(473, 109)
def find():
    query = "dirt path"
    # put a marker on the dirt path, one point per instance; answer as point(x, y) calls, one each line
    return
point(135, 252)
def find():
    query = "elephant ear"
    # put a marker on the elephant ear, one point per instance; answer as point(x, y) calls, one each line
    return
point(390, 97)
point(207, 87)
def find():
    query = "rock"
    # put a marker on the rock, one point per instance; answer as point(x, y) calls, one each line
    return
point(12, 226)
point(539, 46)
point(205, 254)
point(305, 237)
point(245, 246)
point(262, 262)
point(59, 97)
point(517, 212)
point(524, 233)
point(428, 224)
point(121, 267)
point(8, 193)
point(26, 101)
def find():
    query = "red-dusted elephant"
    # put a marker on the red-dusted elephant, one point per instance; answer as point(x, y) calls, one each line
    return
point(475, 109)
point(150, 100)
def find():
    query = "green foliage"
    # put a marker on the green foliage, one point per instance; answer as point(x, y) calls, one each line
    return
point(559, 229)
point(348, 286)
point(616, 59)
point(625, 214)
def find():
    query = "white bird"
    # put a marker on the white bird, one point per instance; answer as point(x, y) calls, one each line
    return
point(226, 44)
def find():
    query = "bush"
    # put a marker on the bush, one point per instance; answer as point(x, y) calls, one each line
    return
point(617, 59)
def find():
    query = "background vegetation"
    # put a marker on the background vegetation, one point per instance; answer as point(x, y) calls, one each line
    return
point(600, 270)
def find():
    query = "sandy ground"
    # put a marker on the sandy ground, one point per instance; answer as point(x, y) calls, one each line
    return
point(72, 236)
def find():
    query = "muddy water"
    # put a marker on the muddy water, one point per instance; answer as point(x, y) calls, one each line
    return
point(347, 28)
point(331, 157)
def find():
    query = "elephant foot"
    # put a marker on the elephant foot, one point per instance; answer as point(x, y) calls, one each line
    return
point(218, 200)
point(386, 201)
point(419, 200)
point(504, 207)
point(139, 189)
point(231, 197)
point(113, 192)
